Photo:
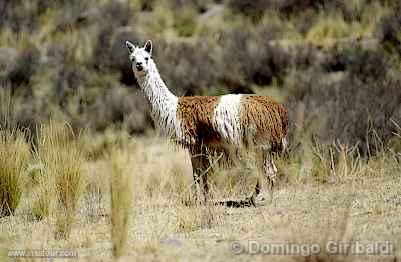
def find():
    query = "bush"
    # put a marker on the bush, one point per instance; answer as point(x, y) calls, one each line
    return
point(344, 108)
point(389, 33)
point(67, 75)
point(364, 64)
point(185, 66)
point(252, 57)
point(327, 30)
point(110, 53)
point(251, 8)
point(62, 158)
point(24, 68)
point(121, 200)
point(185, 22)
point(14, 157)
point(256, 9)
point(117, 106)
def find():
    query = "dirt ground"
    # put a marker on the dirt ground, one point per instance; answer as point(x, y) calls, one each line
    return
point(352, 209)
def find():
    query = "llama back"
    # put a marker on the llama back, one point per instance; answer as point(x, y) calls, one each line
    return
point(238, 120)
point(265, 122)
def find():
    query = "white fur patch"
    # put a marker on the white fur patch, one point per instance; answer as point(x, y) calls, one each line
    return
point(226, 118)
point(165, 114)
point(162, 102)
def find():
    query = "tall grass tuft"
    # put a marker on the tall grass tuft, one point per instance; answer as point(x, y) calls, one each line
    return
point(121, 200)
point(14, 155)
point(62, 158)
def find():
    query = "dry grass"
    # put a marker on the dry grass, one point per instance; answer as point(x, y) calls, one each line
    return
point(14, 156)
point(60, 180)
point(325, 193)
point(121, 200)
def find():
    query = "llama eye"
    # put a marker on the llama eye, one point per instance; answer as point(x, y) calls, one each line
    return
point(146, 58)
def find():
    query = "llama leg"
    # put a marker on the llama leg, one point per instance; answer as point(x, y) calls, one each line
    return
point(258, 196)
point(270, 172)
point(200, 171)
point(196, 173)
point(205, 184)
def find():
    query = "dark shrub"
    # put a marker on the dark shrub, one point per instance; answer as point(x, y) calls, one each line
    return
point(118, 106)
point(389, 33)
point(67, 74)
point(255, 9)
point(117, 13)
point(8, 56)
point(251, 8)
point(253, 58)
point(17, 17)
point(23, 68)
point(146, 5)
point(365, 64)
point(347, 109)
point(271, 65)
point(187, 67)
point(110, 52)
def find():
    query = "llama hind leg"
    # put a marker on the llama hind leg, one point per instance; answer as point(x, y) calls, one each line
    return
point(269, 172)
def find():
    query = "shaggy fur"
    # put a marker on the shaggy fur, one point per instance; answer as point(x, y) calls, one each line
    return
point(210, 125)
point(238, 120)
point(266, 122)
point(196, 117)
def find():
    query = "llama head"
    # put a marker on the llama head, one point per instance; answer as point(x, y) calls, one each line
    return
point(140, 57)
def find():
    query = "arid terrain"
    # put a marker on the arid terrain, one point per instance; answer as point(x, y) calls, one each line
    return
point(358, 201)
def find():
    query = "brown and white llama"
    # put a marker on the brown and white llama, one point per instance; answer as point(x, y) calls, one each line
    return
point(213, 125)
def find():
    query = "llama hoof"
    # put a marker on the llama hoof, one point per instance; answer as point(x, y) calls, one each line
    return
point(261, 200)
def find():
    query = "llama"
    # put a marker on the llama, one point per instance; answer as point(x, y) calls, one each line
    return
point(213, 125)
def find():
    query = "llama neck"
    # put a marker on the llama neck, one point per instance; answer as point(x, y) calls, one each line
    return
point(162, 102)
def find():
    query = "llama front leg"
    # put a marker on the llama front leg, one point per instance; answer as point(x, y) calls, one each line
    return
point(200, 171)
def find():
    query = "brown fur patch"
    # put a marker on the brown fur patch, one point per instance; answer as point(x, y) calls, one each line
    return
point(263, 118)
point(196, 116)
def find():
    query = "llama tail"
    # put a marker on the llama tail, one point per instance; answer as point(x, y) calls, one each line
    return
point(280, 147)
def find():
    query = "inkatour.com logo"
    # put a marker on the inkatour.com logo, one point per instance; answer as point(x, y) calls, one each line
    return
point(331, 248)
point(41, 253)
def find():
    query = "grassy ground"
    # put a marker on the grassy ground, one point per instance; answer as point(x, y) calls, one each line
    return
point(358, 200)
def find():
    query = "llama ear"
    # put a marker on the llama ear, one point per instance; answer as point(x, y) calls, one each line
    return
point(148, 47)
point(130, 46)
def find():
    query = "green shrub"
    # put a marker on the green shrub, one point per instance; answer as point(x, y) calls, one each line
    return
point(185, 21)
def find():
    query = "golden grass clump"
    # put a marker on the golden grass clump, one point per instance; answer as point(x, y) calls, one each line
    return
point(14, 156)
point(121, 200)
point(328, 30)
point(61, 180)
point(196, 217)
